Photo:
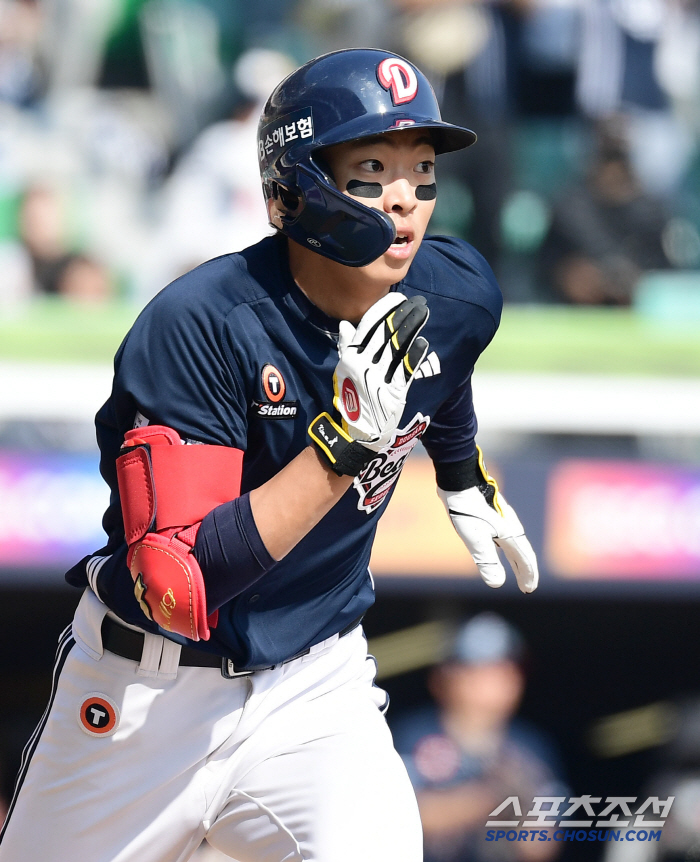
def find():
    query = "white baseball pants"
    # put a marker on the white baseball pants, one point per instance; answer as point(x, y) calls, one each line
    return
point(138, 762)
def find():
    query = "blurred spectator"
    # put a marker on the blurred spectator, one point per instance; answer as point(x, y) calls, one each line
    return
point(606, 231)
point(549, 45)
point(212, 203)
point(463, 48)
point(56, 268)
point(181, 41)
point(467, 754)
point(85, 280)
point(625, 66)
point(75, 36)
point(20, 27)
point(42, 228)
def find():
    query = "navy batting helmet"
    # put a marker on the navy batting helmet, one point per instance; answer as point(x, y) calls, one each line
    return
point(335, 98)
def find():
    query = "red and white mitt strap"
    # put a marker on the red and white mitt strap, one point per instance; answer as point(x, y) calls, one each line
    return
point(166, 488)
point(165, 484)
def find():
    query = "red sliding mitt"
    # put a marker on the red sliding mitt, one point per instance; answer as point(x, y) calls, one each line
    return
point(166, 488)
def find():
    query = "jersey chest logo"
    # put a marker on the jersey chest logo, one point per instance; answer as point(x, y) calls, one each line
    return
point(274, 389)
point(273, 383)
point(380, 475)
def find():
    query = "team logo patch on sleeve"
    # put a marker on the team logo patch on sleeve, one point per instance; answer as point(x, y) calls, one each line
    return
point(380, 475)
point(98, 715)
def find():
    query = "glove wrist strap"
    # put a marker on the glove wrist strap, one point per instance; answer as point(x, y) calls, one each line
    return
point(345, 456)
point(458, 475)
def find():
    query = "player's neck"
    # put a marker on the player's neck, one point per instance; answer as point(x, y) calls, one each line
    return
point(342, 292)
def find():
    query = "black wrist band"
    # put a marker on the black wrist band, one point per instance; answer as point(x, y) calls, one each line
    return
point(345, 456)
point(459, 475)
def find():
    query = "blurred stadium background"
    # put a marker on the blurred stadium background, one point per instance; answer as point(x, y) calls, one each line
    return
point(127, 156)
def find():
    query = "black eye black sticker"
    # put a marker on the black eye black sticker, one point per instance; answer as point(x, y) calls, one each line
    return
point(426, 193)
point(359, 189)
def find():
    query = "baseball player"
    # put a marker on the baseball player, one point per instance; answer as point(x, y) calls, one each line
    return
point(215, 681)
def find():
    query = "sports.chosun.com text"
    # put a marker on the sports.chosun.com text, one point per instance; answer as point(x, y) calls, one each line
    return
point(574, 835)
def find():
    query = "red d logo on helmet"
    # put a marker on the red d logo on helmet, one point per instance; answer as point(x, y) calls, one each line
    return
point(398, 76)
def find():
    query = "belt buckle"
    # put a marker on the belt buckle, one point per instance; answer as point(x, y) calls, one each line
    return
point(228, 670)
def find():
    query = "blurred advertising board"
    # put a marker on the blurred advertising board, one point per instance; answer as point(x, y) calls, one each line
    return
point(621, 519)
point(415, 537)
point(51, 507)
point(598, 525)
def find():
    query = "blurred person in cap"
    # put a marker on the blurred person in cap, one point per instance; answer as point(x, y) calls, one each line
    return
point(466, 753)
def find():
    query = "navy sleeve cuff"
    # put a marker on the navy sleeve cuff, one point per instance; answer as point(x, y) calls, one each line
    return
point(230, 552)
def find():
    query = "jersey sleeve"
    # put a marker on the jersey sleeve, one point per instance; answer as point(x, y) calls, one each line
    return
point(177, 367)
point(467, 312)
point(451, 434)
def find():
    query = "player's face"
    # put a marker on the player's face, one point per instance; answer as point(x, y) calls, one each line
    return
point(395, 173)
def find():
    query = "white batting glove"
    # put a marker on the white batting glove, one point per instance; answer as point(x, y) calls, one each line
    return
point(485, 521)
point(376, 366)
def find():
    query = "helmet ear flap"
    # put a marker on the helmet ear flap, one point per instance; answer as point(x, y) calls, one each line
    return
point(289, 199)
point(316, 214)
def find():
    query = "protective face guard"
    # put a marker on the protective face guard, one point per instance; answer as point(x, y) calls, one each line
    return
point(332, 224)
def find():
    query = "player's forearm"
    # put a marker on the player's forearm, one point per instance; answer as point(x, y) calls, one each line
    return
point(289, 505)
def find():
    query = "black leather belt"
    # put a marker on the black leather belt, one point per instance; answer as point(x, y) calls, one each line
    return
point(129, 644)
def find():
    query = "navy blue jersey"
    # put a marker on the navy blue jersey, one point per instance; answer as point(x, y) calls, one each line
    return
point(233, 353)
